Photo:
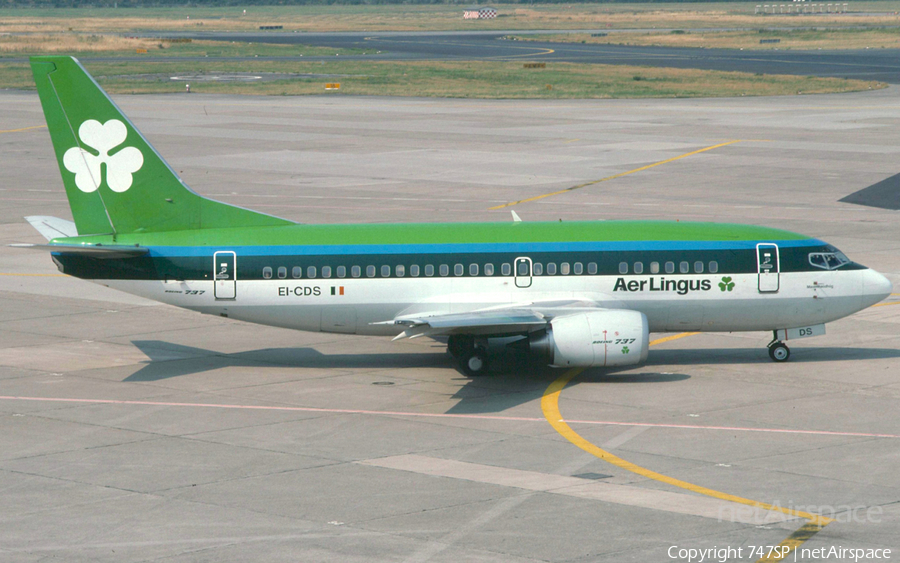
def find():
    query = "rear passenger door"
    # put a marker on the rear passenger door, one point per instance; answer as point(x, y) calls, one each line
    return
point(225, 274)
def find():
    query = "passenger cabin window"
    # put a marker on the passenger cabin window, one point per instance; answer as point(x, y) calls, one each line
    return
point(522, 268)
point(355, 271)
point(564, 269)
point(445, 270)
point(698, 267)
point(713, 267)
point(473, 269)
point(459, 269)
point(828, 260)
point(537, 269)
point(311, 272)
point(296, 271)
point(282, 273)
point(342, 271)
point(385, 271)
point(505, 269)
point(370, 271)
point(400, 270)
point(578, 268)
point(429, 270)
point(638, 267)
point(684, 267)
point(267, 273)
point(489, 269)
point(326, 271)
point(623, 267)
point(670, 267)
point(414, 270)
point(592, 268)
point(654, 267)
point(551, 268)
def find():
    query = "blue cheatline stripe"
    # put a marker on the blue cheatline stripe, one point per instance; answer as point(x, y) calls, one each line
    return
point(524, 248)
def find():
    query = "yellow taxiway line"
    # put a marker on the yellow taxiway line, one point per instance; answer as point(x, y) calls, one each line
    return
point(614, 176)
point(24, 129)
point(550, 407)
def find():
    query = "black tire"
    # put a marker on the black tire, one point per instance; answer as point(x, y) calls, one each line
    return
point(474, 364)
point(779, 352)
point(459, 345)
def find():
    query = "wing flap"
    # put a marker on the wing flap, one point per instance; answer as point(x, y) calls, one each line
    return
point(498, 321)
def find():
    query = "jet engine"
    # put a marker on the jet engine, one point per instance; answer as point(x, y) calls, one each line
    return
point(601, 338)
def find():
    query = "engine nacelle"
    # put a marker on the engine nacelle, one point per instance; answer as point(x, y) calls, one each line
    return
point(601, 338)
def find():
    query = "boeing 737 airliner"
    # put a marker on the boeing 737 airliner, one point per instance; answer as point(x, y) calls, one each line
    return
point(569, 294)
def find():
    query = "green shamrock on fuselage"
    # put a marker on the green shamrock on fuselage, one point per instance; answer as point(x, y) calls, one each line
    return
point(726, 284)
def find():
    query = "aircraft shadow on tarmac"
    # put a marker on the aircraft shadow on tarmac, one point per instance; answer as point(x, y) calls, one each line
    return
point(516, 383)
point(168, 360)
point(707, 356)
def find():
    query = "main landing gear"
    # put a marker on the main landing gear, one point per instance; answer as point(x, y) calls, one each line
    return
point(778, 350)
point(471, 355)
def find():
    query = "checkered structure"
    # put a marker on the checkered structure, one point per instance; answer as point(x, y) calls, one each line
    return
point(477, 13)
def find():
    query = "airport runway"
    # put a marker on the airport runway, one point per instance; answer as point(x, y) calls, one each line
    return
point(866, 64)
point(134, 432)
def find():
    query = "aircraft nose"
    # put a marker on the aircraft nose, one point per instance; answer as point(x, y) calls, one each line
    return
point(875, 287)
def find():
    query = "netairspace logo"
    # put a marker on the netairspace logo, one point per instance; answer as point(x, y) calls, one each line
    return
point(88, 167)
point(775, 553)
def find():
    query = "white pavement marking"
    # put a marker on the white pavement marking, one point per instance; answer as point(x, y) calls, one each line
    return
point(626, 436)
point(434, 547)
point(652, 499)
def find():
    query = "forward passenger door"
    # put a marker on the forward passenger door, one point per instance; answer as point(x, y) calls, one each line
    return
point(768, 267)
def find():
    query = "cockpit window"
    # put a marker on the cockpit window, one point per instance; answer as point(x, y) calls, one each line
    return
point(828, 260)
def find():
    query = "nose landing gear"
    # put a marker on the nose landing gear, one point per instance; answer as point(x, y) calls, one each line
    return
point(778, 351)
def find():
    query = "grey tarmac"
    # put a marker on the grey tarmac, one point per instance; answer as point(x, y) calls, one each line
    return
point(863, 64)
point(173, 436)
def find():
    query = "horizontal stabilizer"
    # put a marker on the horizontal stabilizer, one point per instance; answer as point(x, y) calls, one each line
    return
point(94, 251)
point(52, 227)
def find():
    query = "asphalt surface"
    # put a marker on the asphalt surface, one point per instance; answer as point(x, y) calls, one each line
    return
point(134, 432)
point(869, 64)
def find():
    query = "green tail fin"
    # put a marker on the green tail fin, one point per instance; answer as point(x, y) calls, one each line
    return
point(115, 180)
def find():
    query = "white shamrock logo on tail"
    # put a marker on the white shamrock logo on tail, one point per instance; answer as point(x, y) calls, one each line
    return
point(103, 138)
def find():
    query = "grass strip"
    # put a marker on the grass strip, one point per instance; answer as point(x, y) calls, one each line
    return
point(477, 79)
point(375, 18)
point(887, 38)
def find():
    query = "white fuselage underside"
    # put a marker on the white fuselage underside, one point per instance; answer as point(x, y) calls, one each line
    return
point(352, 305)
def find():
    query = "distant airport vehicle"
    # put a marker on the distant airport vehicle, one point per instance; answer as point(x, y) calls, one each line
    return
point(569, 294)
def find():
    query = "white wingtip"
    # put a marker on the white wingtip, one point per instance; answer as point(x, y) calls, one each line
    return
point(516, 217)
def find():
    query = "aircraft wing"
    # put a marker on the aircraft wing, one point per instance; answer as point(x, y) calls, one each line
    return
point(507, 320)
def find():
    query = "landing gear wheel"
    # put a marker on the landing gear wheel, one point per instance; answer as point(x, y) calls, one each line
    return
point(458, 344)
point(779, 352)
point(475, 362)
